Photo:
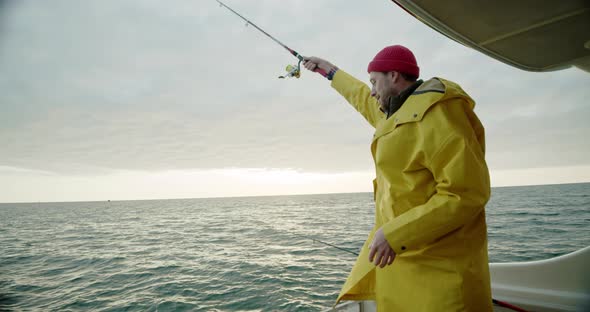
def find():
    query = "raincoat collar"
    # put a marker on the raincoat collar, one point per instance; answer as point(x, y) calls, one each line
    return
point(415, 105)
point(395, 102)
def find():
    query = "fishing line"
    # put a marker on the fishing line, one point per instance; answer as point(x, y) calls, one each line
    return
point(328, 244)
point(494, 301)
point(295, 71)
point(292, 70)
point(268, 225)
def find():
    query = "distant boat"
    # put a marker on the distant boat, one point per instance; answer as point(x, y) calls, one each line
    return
point(534, 36)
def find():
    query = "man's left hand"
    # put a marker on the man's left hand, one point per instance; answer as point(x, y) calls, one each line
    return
point(380, 252)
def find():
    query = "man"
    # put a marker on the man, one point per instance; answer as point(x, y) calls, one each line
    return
point(428, 248)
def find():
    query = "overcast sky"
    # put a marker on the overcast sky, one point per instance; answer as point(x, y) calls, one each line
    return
point(137, 99)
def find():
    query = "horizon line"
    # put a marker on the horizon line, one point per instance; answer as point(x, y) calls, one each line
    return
point(246, 196)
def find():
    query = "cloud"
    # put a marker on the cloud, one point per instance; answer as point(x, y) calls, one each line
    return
point(550, 139)
point(100, 87)
point(8, 171)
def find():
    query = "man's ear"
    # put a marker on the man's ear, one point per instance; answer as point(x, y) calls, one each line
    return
point(394, 76)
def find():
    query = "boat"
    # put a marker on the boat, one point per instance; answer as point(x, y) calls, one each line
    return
point(557, 284)
point(538, 36)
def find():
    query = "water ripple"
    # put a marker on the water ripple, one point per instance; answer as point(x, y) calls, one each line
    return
point(235, 254)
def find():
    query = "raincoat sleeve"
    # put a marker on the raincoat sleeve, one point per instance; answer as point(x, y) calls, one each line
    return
point(462, 186)
point(358, 95)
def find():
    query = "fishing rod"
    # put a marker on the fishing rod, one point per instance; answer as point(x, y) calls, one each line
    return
point(292, 70)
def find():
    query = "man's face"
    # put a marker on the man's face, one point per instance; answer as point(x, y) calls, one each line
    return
point(382, 88)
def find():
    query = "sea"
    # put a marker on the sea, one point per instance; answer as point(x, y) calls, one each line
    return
point(236, 254)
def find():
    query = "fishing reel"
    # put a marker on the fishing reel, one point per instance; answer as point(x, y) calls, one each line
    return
point(292, 71)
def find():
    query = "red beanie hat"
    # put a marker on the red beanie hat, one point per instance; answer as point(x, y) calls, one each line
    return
point(395, 58)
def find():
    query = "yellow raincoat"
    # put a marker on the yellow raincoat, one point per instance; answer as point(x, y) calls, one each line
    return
point(431, 188)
